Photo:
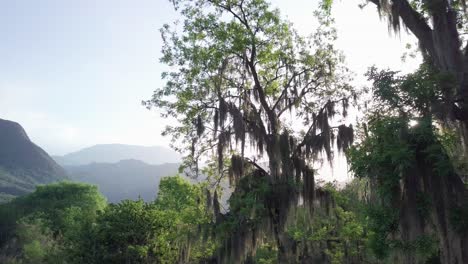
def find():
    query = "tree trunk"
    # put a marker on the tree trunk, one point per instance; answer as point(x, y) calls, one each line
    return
point(280, 201)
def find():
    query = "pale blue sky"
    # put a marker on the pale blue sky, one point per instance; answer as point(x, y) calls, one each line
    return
point(73, 73)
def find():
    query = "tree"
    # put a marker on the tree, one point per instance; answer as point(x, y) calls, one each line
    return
point(37, 243)
point(127, 233)
point(51, 201)
point(439, 26)
point(50, 224)
point(242, 81)
point(337, 232)
point(182, 205)
point(161, 232)
point(417, 191)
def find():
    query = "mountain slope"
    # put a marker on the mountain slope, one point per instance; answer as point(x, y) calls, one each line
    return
point(111, 153)
point(126, 179)
point(23, 164)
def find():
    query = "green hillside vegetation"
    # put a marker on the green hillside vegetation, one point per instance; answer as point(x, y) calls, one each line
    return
point(72, 223)
point(23, 165)
point(50, 203)
point(11, 186)
point(244, 79)
point(17, 182)
point(262, 108)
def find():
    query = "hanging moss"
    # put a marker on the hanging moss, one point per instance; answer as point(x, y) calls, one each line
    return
point(209, 200)
point(345, 137)
point(254, 130)
point(245, 86)
point(238, 124)
point(223, 111)
point(324, 199)
point(200, 126)
point(192, 147)
point(315, 144)
point(246, 224)
point(285, 148)
point(223, 142)
point(216, 206)
point(236, 170)
point(309, 187)
point(344, 107)
point(215, 122)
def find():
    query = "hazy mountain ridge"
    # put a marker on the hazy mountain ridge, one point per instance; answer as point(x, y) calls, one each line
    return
point(120, 171)
point(112, 153)
point(23, 164)
point(126, 179)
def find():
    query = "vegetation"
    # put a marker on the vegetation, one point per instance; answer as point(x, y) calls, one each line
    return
point(437, 93)
point(71, 223)
point(23, 165)
point(241, 75)
point(261, 107)
point(410, 167)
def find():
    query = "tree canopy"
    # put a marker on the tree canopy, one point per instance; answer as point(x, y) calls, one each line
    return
point(259, 108)
point(243, 83)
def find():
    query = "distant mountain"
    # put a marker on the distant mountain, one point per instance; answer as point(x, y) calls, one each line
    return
point(126, 179)
point(112, 153)
point(23, 164)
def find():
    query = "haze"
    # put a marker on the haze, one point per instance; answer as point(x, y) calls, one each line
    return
point(73, 73)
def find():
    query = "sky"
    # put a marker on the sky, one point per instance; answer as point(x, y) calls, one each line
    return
point(74, 73)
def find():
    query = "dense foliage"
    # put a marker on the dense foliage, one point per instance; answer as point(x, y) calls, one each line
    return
point(407, 155)
point(261, 106)
point(71, 223)
point(244, 84)
point(23, 165)
point(237, 67)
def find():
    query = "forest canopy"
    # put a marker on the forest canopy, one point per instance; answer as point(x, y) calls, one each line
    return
point(260, 110)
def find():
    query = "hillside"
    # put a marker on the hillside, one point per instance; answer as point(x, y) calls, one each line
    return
point(111, 153)
point(126, 179)
point(23, 164)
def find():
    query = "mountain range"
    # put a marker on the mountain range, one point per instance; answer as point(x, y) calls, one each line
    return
point(112, 153)
point(126, 179)
point(23, 164)
point(120, 171)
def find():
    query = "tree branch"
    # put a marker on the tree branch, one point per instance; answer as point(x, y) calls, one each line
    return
point(306, 136)
point(256, 165)
point(304, 91)
point(414, 22)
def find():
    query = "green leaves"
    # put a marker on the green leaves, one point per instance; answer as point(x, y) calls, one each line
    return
point(404, 152)
point(127, 231)
point(70, 222)
point(240, 60)
point(51, 221)
point(326, 5)
point(342, 227)
point(152, 232)
point(416, 94)
point(236, 68)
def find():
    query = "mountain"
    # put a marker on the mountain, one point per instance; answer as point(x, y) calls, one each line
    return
point(112, 153)
point(126, 179)
point(23, 164)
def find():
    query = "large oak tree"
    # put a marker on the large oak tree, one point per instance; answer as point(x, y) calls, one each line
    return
point(245, 85)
